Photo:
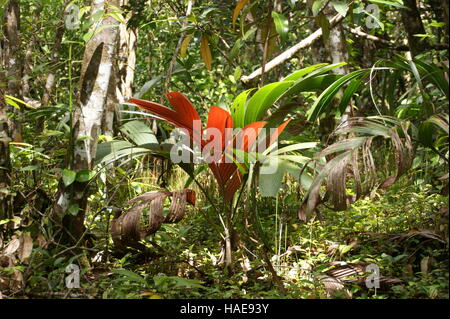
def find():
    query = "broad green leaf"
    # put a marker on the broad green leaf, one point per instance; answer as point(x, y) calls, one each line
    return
point(237, 73)
point(30, 168)
point(340, 6)
point(317, 6)
point(84, 175)
point(300, 73)
point(426, 131)
point(238, 108)
point(441, 121)
point(269, 184)
point(130, 275)
point(73, 209)
point(312, 84)
point(281, 25)
point(271, 175)
point(263, 99)
point(68, 176)
point(139, 133)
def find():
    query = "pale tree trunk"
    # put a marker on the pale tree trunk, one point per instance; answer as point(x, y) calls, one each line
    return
point(94, 81)
point(28, 63)
point(12, 62)
point(5, 161)
point(10, 78)
point(337, 45)
point(120, 86)
point(334, 50)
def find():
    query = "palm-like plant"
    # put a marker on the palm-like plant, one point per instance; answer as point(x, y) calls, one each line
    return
point(227, 175)
point(353, 154)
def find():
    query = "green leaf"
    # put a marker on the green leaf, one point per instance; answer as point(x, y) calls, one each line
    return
point(281, 25)
point(324, 24)
point(84, 175)
point(324, 100)
point(30, 168)
point(263, 99)
point(426, 131)
point(130, 275)
point(340, 6)
point(269, 184)
point(68, 176)
point(139, 133)
point(112, 151)
point(275, 168)
point(238, 109)
point(237, 73)
point(397, 4)
point(300, 73)
point(294, 147)
point(12, 103)
point(351, 89)
point(73, 209)
point(317, 6)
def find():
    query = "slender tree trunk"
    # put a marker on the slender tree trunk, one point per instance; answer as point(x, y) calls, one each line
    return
point(121, 82)
point(337, 44)
point(28, 64)
point(13, 63)
point(10, 76)
point(5, 161)
point(51, 76)
point(94, 81)
point(413, 25)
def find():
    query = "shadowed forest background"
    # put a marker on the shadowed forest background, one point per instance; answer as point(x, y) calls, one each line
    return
point(93, 99)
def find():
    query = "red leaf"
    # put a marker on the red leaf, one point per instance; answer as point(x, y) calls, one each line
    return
point(220, 119)
point(183, 116)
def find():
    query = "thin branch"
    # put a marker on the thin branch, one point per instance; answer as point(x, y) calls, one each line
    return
point(289, 53)
point(436, 46)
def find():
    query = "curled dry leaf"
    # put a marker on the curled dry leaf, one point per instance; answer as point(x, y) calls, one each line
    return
point(26, 246)
point(12, 246)
point(353, 159)
point(146, 216)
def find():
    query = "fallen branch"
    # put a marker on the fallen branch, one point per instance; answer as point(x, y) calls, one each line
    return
point(289, 53)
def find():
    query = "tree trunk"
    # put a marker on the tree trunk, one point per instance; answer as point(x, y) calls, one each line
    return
point(413, 25)
point(120, 87)
point(94, 81)
point(12, 63)
point(51, 78)
point(10, 76)
point(5, 161)
point(337, 45)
